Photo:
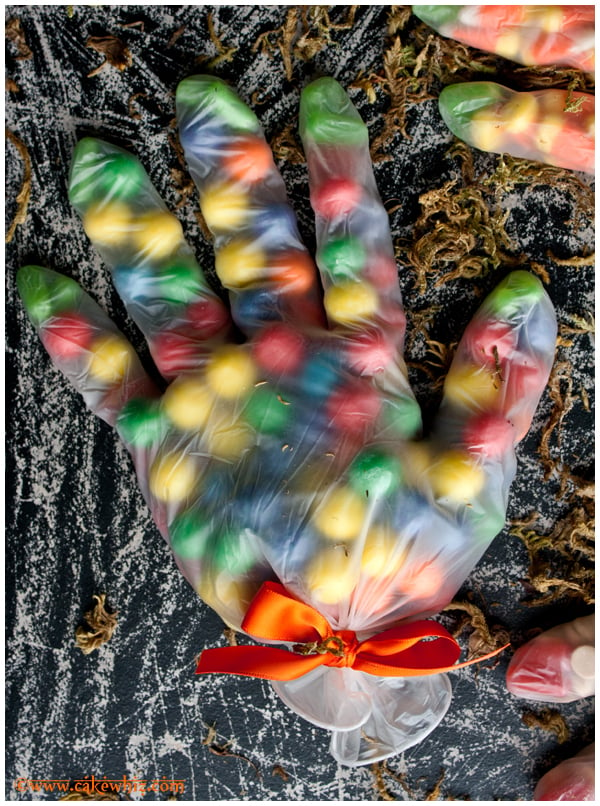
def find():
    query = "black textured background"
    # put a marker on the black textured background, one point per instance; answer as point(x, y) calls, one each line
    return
point(76, 524)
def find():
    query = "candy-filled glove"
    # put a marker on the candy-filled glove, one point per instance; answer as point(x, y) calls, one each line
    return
point(554, 126)
point(286, 447)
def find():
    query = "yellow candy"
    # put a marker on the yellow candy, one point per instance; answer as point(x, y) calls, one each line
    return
point(188, 403)
point(111, 358)
point(350, 302)
point(224, 207)
point(172, 477)
point(508, 45)
point(341, 514)
point(229, 596)
point(520, 112)
point(157, 234)
point(546, 131)
point(382, 554)
point(240, 263)
point(457, 476)
point(230, 372)
point(486, 132)
point(331, 575)
point(229, 440)
point(472, 386)
point(108, 224)
point(548, 18)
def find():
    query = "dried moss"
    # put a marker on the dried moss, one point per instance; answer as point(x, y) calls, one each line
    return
point(24, 194)
point(101, 625)
point(115, 52)
point(547, 719)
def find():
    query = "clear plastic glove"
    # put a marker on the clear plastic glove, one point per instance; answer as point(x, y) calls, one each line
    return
point(549, 125)
point(286, 446)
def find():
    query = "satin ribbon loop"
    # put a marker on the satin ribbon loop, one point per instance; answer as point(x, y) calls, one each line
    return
point(408, 650)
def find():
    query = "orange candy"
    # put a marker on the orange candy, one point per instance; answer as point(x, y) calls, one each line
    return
point(249, 161)
point(294, 270)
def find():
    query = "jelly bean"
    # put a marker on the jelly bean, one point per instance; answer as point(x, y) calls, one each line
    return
point(274, 225)
point(489, 434)
point(181, 281)
point(140, 422)
point(515, 293)
point(423, 582)
point(230, 371)
point(383, 554)
point(157, 234)
point(490, 340)
point(327, 116)
point(109, 224)
point(320, 375)
point(456, 476)
point(188, 403)
point(135, 284)
point(293, 270)
point(369, 352)
point(336, 197)
point(46, 293)
point(100, 171)
point(189, 535)
point(331, 576)
point(342, 258)
point(252, 307)
point(207, 315)
point(279, 349)
point(248, 159)
point(353, 407)
point(341, 514)
point(381, 271)
point(111, 357)
point(375, 474)
point(350, 302)
point(216, 98)
point(228, 439)
point(174, 351)
point(402, 415)
point(173, 476)
point(234, 551)
point(472, 386)
point(267, 411)
point(66, 336)
point(240, 263)
point(224, 207)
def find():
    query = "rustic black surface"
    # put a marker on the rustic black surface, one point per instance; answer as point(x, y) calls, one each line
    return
point(76, 523)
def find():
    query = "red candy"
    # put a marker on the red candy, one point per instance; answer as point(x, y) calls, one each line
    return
point(174, 352)
point(279, 349)
point(207, 316)
point(490, 341)
point(66, 336)
point(489, 434)
point(336, 197)
point(351, 408)
point(369, 352)
point(381, 272)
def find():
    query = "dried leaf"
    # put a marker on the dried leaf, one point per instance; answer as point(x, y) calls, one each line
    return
point(115, 53)
point(14, 32)
point(548, 719)
point(24, 193)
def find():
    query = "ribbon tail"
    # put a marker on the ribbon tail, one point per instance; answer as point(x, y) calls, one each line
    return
point(268, 663)
point(393, 666)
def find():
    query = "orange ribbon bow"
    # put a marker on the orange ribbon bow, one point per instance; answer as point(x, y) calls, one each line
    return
point(274, 615)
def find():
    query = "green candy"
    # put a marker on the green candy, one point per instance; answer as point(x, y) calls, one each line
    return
point(343, 258)
point(437, 16)
point(519, 291)
point(46, 293)
point(181, 281)
point(458, 103)
point(327, 116)
point(189, 535)
point(140, 422)
point(403, 417)
point(101, 171)
point(232, 552)
point(218, 98)
point(266, 412)
point(375, 474)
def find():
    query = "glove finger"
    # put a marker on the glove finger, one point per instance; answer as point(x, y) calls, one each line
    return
point(259, 256)
point(551, 126)
point(492, 389)
point(153, 267)
point(355, 253)
point(556, 666)
point(532, 35)
point(573, 779)
point(82, 342)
